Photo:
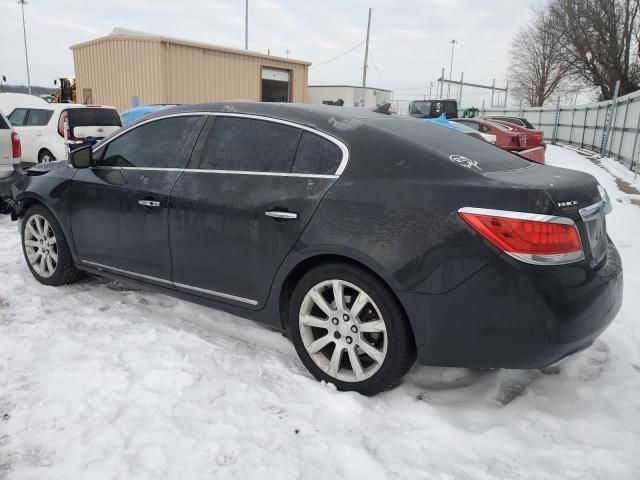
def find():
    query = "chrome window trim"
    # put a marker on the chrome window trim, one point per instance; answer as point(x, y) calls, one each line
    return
point(101, 266)
point(534, 217)
point(339, 143)
point(228, 172)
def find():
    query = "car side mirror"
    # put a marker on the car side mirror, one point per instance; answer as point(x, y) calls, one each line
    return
point(82, 157)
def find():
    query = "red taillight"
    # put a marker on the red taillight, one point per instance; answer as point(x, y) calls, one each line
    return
point(61, 125)
point(533, 238)
point(16, 146)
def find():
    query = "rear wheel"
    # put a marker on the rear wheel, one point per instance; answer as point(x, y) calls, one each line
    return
point(45, 248)
point(46, 156)
point(349, 330)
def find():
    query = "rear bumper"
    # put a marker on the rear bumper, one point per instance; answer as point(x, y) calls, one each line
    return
point(512, 315)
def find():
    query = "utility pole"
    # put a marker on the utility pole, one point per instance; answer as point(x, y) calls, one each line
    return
point(246, 24)
point(366, 52)
point(493, 89)
point(287, 51)
point(26, 54)
point(506, 95)
point(430, 88)
point(441, 82)
point(453, 46)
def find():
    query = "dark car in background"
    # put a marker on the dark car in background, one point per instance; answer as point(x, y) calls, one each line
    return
point(433, 108)
point(370, 240)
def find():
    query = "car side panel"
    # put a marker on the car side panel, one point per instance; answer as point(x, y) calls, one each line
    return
point(406, 229)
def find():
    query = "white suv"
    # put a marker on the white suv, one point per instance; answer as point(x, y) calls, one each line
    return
point(48, 132)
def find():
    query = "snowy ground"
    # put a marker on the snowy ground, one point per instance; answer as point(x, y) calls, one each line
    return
point(101, 382)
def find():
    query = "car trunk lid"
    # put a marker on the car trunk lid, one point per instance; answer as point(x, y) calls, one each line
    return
point(575, 195)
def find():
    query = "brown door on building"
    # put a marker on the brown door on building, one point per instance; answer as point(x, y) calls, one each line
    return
point(276, 85)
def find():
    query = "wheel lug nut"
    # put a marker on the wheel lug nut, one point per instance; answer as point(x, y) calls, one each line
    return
point(349, 340)
point(336, 335)
point(334, 321)
point(354, 329)
point(345, 317)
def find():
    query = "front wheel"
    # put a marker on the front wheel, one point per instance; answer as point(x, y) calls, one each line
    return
point(45, 248)
point(349, 330)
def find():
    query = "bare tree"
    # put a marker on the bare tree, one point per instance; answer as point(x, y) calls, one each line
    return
point(600, 38)
point(538, 67)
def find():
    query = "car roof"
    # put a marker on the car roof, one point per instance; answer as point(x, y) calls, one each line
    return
point(338, 121)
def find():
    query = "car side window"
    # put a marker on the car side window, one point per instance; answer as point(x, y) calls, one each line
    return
point(38, 118)
point(18, 117)
point(244, 144)
point(158, 144)
point(316, 155)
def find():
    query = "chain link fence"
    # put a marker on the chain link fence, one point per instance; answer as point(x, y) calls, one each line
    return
point(610, 128)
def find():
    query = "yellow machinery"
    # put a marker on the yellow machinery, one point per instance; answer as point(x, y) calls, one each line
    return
point(66, 92)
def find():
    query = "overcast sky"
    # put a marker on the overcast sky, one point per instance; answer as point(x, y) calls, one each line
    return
point(409, 39)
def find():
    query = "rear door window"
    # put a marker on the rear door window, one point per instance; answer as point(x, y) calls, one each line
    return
point(18, 117)
point(38, 118)
point(317, 155)
point(244, 144)
point(3, 123)
point(93, 117)
point(164, 143)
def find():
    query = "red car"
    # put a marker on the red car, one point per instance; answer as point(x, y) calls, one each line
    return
point(535, 138)
point(505, 138)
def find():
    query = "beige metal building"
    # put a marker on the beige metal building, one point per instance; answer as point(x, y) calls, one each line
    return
point(112, 70)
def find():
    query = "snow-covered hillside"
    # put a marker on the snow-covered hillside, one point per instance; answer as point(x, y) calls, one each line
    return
point(98, 381)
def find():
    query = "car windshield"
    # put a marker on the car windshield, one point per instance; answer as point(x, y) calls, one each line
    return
point(93, 117)
point(423, 108)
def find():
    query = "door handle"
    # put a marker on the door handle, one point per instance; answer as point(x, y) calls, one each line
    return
point(149, 203)
point(281, 215)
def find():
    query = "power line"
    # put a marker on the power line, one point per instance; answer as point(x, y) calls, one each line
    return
point(377, 71)
point(338, 56)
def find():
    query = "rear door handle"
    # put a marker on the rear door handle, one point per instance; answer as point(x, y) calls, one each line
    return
point(281, 215)
point(149, 203)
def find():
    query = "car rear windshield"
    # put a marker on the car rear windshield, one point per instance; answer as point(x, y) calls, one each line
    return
point(445, 143)
point(93, 117)
point(500, 127)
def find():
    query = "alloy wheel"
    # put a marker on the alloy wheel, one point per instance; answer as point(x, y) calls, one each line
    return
point(343, 331)
point(41, 246)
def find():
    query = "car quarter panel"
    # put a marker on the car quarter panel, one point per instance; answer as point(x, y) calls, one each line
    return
point(397, 201)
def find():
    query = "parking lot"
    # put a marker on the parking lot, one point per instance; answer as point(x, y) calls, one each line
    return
point(101, 381)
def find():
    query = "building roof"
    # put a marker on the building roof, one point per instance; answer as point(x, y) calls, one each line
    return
point(351, 86)
point(124, 34)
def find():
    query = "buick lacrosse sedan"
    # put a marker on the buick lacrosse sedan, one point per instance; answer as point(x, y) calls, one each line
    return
point(370, 240)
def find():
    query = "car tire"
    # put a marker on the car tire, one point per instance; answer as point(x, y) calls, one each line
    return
point(367, 328)
point(45, 248)
point(46, 156)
